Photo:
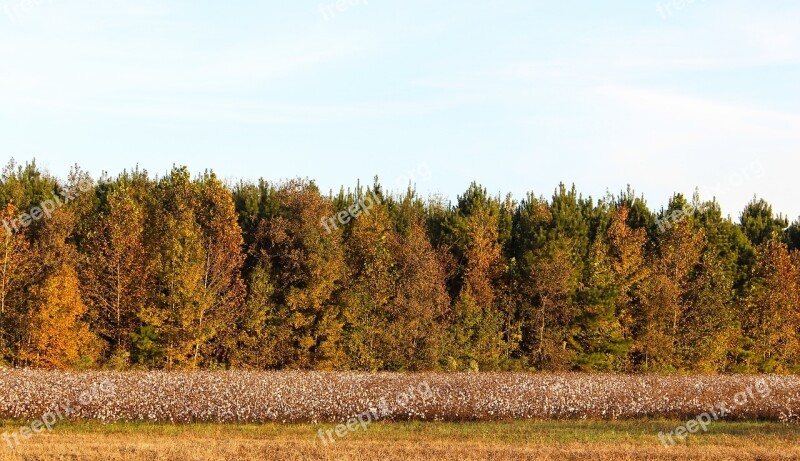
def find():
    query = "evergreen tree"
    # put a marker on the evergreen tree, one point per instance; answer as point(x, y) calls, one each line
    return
point(605, 321)
point(759, 223)
point(793, 235)
point(154, 272)
point(473, 234)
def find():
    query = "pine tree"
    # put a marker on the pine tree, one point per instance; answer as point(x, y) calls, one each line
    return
point(759, 223)
point(473, 235)
point(26, 186)
point(793, 235)
point(605, 321)
point(727, 243)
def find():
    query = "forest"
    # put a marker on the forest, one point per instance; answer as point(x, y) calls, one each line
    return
point(190, 272)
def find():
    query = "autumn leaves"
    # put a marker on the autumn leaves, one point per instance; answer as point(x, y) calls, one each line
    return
point(135, 257)
point(183, 272)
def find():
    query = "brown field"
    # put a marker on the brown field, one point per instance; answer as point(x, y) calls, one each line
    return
point(284, 415)
point(291, 397)
point(519, 440)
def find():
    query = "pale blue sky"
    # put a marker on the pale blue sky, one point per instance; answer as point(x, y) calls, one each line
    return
point(517, 95)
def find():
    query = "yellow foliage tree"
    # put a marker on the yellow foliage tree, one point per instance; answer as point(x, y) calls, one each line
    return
point(55, 334)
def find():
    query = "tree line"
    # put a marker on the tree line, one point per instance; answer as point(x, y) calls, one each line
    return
point(182, 272)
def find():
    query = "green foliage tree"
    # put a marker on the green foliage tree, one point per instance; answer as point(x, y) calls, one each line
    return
point(759, 222)
point(473, 233)
point(604, 324)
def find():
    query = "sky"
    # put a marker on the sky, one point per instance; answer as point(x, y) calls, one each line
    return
point(664, 96)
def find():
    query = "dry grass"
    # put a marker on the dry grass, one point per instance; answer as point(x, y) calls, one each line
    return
point(533, 440)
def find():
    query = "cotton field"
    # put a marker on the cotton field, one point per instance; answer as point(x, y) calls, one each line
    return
point(295, 396)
